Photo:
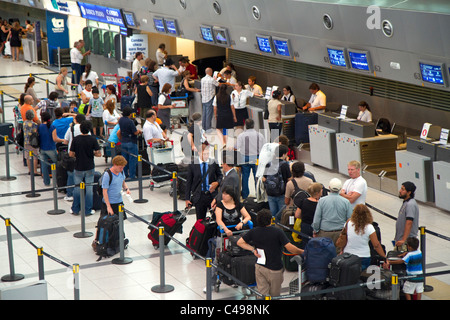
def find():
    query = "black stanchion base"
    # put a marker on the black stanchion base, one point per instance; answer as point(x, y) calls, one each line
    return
point(163, 289)
point(30, 195)
point(83, 234)
point(140, 201)
point(8, 178)
point(428, 288)
point(56, 212)
point(122, 261)
point(13, 277)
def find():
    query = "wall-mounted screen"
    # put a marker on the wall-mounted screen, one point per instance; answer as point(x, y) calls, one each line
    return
point(337, 56)
point(129, 19)
point(207, 33)
point(264, 43)
point(360, 60)
point(282, 47)
point(432, 72)
point(171, 26)
point(221, 36)
point(159, 24)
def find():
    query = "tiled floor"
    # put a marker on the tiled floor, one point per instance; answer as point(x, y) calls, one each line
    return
point(106, 281)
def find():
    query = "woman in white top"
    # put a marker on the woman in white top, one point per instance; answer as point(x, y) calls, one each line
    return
point(239, 102)
point(110, 94)
point(364, 112)
point(88, 74)
point(110, 116)
point(274, 108)
point(62, 83)
point(359, 231)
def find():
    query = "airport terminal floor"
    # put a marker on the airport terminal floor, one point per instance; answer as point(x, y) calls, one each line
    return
point(103, 280)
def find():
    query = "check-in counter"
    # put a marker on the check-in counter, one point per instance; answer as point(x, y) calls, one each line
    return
point(441, 177)
point(322, 143)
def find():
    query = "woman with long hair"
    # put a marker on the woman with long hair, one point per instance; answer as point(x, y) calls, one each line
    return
point(15, 41)
point(62, 84)
point(164, 105)
point(359, 232)
point(307, 208)
point(224, 113)
point(31, 81)
point(89, 74)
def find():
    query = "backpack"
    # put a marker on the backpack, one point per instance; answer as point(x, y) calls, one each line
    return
point(106, 243)
point(274, 184)
point(299, 194)
point(35, 140)
point(99, 185)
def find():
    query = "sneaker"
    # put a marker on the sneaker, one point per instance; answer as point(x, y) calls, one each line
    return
point(67, 198)
point(75, 214)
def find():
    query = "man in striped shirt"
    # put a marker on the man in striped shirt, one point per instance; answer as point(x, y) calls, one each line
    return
point(208, 85)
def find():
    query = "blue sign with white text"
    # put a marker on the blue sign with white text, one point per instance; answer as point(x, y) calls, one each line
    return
point(101, 14)
point(57, 33)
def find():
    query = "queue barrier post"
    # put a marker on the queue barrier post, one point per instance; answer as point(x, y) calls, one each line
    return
point(76, 281)
point(83, 233)
point(423, 248)
point(33, 193)
point(8, 176)
point(12, 276)
point(40, 253)
point(162, 287)
point(174, 191)
point(139, 165)
point(55, 210)
point(208, 262)
point(395, 287)
point(113, 150)
point(121, 259)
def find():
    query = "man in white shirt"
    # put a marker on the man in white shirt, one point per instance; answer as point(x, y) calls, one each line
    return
point(166, 74)
point(318, 100)
point(355, 188)
point(75, 59)
point(151, 130)
point(136, 66)
point(161, 54)
point(208, 90)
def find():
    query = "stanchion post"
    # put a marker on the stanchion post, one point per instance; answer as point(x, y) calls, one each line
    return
point(208, 262)
point(8, 172)
point(139, 162)
point(395, 287)
point(55, 210)
point(48, 87)
point(83, 233)
point(121, 259)
point(113, 150)
point(33, 193)
point(174, 192)
point(162, 287)
point(12, 276)
point(76, 281)
point(2, 103)
point(423, 248)
point(40, 253)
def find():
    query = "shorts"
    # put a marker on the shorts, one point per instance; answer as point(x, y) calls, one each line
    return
point(97, 122)
point(410, 287)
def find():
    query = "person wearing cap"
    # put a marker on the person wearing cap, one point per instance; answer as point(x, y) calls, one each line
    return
point(331, 213)
point(407, 224)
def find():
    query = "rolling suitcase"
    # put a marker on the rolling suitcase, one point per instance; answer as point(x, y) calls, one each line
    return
point(172, 223)
point(224, 263)
point(6, 129)
point(243, 268)
point(379, 290)
point(319, 252)
point(97, 199)
point(314, 287)
point(254, 207)
point(345, 270)
point(159, 175)
point(202, 231)
point(302, 121)
point(126, 101)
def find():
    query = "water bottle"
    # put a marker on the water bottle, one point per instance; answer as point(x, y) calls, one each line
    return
point(128, 196)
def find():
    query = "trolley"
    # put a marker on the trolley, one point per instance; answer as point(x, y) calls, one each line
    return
point(113, 79)
point(161, 155)
point(180, 111)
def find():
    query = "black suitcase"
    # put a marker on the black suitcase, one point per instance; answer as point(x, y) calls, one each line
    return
point(243, 268)
point(61, 176)
point(254, 207)
point(97, 199)
point(302, 121)
point(6, 129)
point(202, 231)
point(159, 175)
point(345, 270)
point(314, 287)
point(379, 290)
point(224, 263)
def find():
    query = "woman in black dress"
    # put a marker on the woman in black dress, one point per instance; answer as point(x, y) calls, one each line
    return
point(14, 40)
point(224, 113)
point(144, 96)
point(307, 208)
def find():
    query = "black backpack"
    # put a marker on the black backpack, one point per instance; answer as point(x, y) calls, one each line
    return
point(299, 194)
point(274, 184)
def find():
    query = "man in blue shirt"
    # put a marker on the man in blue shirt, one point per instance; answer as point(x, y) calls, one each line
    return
point(129, 133)
point(112, 189)
point(62, 122)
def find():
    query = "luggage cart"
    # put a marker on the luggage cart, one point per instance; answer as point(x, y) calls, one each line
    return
point(161, 154)
point(295, 285)
point(179, 112)
point(113, 79)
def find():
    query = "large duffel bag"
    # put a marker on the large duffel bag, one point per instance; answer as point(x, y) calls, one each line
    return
point(172, 223)
point(202, 231)
point(317, 256)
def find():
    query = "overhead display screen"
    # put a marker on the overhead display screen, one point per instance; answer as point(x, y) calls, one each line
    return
point(171, 26)
point(359, 60)
point(159, 24)
point(337, 57)
point(207, 33)
point(129, 19)
point(432, 73)
point(221, 36)
point(101, 14)
point(264, 44)
point(282, 47)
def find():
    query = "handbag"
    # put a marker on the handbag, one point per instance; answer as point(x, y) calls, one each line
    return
point(341, 242)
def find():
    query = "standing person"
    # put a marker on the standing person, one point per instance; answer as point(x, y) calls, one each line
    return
point(307, 208)
point(85, 54)
point(407, 224)
point(144, 96)
point(276, 176)
point(288, 95)
point(28, 105)
point(86, 96)
point(89, 74)
point(112, 187)
point(224, 113)
point(164, 105)
point(136, 66)
point(364, 112)
point(230, 177)
point(95, 110)
point(62, 122)
point(269, 240)
point(110, 94)
point(253, 87)
point(318, 100)
point(110, 116)
point(359, 232)
point(355, 188)
point(4, 32)
point(166, 74)
point(161, 54)
point(185, 65)
point(208, 87)
point(239, 102)
point(61, 85)
point(331, 213)
point(30, 127)
point(129, 133)
point(84, 148)
point(48, 139)
point(15, 40)
point(30, 90)
point(298, 181)
point(274, 107)
point(204, 176)
point(249, 144)
point(153, 134)
point(75, 59)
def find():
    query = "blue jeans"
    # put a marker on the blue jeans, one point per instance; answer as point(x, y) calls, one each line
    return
point(275, 204)
point(249, 165)
point(87, 177)
point(129, 148)
point(207, 114)
point(70, 182)
point(47, 156)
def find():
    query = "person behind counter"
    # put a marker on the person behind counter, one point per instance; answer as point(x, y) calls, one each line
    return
point(364, 112)
point(318, 100)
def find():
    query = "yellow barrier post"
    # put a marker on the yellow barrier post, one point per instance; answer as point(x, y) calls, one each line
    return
point(40, 253)
point(12, 276)
point(162, 287)
point(83, 233)
point(55, 210)
point(76, 280)
point(121, 259)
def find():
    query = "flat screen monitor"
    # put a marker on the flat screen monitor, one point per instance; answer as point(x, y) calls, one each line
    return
point(264, 44)
point(337, 56)
point(360, 60)
point(171, 26)
point(207, 33)
point(432, 72)
point(221, 36)
point(129, 19)
point(282, 47)
point(159, 24)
